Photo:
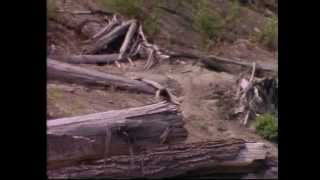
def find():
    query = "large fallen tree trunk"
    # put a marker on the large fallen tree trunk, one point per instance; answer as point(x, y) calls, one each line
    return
point(196, 159)
point(233, 66)
point(225, 64)
point(88, 59)
point(69, 73)
point(113, 133)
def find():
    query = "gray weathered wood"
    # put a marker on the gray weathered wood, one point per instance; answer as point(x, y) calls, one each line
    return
point(70, 73)
point(128, 39)
point(233, 66)
point(83, 137)
point(88, 59)
point(226, 64)
point(183, 160)
point(113, 23)
point(108, 38)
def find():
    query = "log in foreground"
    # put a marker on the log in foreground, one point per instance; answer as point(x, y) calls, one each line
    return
point(111, 133)
point(69, 73)
point(184, 160)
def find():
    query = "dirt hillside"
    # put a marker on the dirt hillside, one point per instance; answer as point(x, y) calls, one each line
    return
point(206, 118)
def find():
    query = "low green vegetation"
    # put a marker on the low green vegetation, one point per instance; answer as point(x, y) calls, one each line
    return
point(266, 125)
point(151, 24)
point(51, 8)
point(269, 34)
point(207, 22)
point(137, 9)
point(234, 11)
point(131, 8)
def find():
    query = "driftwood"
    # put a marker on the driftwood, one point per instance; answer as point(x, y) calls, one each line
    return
point(127, 39)
point(256, 96)
point(233, 66)
point(108, 38)
point(182, 160)
point(225, 64)
point(84, 137)
point(99, 59)
point(113, 23)
point(69, 73)
point(73, 74)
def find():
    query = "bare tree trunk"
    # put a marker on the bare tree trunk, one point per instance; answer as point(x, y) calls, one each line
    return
point(112, 133)
point(196, 159)
point(69, 73)
point(128, 39)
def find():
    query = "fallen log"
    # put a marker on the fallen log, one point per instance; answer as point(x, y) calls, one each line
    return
point(73, 74)
point(112, 133)
point(225, 64)
point(99, 59)
point(235, 67)
point(183, 160)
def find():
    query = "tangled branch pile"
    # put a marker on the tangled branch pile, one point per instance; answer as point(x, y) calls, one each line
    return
point(119, 40)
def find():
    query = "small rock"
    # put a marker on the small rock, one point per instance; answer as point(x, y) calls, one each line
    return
point(268, 12)
point(182, 62)
point(71, 90)
point(257, 30)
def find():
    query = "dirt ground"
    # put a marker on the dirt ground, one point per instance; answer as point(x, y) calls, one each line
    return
point(205, 120)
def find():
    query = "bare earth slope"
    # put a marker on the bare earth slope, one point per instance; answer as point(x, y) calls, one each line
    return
point(194, 83)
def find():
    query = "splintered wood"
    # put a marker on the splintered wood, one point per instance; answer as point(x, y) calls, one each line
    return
point(255, 96)
point(112, 133)
point(100, 45)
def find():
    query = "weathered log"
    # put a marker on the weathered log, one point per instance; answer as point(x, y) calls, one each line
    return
point(234, 67)
point(128, 39)
point(84, 137)
point(225, 64)
point(89, 59)
point(108, 38)
point(183, 160)
point(69, 73)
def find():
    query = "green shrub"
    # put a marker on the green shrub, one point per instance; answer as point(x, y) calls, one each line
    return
point(207, 21)
point(234, 11)
point(269, 34)
point(131, 8)
point(267, 126)
point(136, 9)
point(151, 25)
point(51, 8)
